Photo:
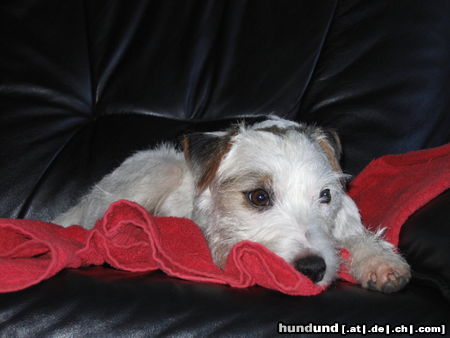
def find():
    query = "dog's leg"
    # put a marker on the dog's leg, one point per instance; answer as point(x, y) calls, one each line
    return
point(374, 262)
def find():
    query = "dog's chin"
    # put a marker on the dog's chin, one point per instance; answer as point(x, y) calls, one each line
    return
point(220, 254)
point(221, 249)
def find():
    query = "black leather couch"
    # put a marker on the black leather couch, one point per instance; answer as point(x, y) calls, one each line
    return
point(83, 84)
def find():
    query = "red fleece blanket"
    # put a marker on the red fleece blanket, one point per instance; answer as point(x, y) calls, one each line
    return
point(387, 192)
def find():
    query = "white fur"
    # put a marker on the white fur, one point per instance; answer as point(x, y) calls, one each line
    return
point(297, 225)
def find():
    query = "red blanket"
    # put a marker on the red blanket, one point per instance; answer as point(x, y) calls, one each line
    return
point(388, 191)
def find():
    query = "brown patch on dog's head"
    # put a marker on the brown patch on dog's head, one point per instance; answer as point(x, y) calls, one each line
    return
point(330, 143)
point(203, 153)
point(280, 131)
point(274, 130)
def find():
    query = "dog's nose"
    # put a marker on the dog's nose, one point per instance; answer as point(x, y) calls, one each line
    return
point(312, 266)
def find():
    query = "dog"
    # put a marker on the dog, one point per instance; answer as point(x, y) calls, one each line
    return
point(275, 182)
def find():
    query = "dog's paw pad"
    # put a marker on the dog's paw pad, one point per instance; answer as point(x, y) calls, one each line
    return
point(385, 276)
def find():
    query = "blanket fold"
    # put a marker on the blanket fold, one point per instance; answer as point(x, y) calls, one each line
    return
point(127, 237)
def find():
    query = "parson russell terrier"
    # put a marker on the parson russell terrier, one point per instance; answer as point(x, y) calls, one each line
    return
point(275, 182)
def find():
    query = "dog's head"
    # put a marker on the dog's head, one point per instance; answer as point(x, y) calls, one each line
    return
point(276, 182)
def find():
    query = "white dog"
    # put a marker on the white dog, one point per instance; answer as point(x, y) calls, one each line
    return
point(276, 182)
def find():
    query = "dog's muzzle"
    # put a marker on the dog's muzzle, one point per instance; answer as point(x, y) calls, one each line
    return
point(311, 266)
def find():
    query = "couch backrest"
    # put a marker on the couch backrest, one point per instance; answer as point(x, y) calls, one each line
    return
point(85, 83)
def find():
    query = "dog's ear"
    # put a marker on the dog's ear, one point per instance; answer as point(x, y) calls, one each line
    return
point(203, 153)
point(330, 143)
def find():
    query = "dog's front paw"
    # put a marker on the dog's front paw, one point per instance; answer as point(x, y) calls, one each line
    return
point(385, 273)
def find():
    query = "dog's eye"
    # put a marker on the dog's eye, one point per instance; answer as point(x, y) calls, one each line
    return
point(325, 196)
point(259, 198)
